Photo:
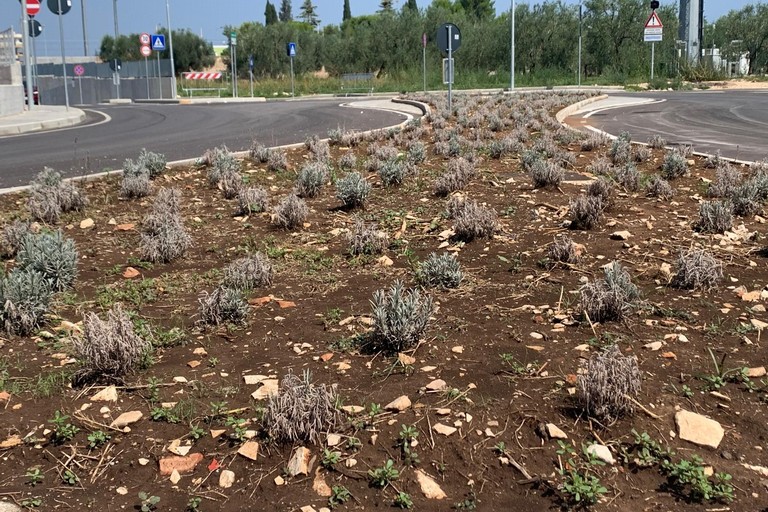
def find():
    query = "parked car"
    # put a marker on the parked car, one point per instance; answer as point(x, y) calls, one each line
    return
point(35, 94)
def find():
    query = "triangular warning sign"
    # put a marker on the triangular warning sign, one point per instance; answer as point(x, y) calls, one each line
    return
point(654, 21)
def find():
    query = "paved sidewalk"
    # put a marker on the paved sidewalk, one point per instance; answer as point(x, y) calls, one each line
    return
point(42, 117)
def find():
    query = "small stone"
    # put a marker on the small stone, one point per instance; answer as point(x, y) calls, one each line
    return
point(319, 485)
point(124, 227)
point(458, 349)
point(249, 450)
point(175, 477)
point(252, 380)
point(654, 345)
point(601, 452)
point(130, 273)
point(226, 479)
point(333, 440)
point(620, 235)
point(299, 463)
point(350, 463)
point(698, 429)
point(122, 491)
point(429, 487)
point(180, 380)
point(181, 464)
point(269, 387)
point(443, 412)
point(758, 324)
point(200, 351)
point(143, 461)
point(427, 369)
point(307, 508)
point(444, 429)
point(108, 394)
point(353, 409)
point(279, 481)
point(398, 404)
point(127, 418)
point(752, 373)
point(86, 223)
point(405, 359)
point(437, 385)
point(193, 364)
point(385, 261)
point(554, 432)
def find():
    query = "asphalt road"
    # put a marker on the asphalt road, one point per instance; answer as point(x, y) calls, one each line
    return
point(733, 122)
point(178, 131)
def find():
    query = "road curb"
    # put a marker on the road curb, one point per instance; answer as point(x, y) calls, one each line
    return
point(239, 154)
point(73, 118)
point(572, 109)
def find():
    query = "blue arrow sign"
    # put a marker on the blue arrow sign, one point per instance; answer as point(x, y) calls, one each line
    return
point(158, 42)
point(291, 49)
point(251, 62)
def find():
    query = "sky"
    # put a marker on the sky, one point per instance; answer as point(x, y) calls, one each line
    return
point(206, 17)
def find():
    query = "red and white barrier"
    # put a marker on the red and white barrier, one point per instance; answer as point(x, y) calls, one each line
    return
point(196, 75)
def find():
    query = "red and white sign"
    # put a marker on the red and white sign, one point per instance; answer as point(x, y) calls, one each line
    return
point(654, 21)
point(146, 51)
point(197, 75)
point(144, 39)
point(33, 7)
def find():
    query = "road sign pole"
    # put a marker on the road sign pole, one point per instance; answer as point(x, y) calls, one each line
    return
point(250, 74)
point(63, 57)
point(293, 89)
point(653, 58)
point(170, 49)
point(424, 59)
point(146, 68)
point(80, 86)
point(234, 61)
point(159, 78)
point(450, 70)
point(85, 31)
point(512, 51)
point(580, 23)
point(27, 66)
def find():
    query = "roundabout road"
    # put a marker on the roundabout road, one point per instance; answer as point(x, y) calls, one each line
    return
point(178, 131)
point(732, 122)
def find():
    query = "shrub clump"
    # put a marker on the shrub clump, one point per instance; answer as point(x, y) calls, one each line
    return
point(51, 196)
point(136, 180)
point(697, 269)
point(472, 220)
point(24, 299)
point(610, 298)
point(603, 189)
point(608, 386)
point(601, 167)
point(154, 163)
point(674, 165)
point(348, 161)
point(12, 236)
point(277, 160)
point(400, 317)
point(259, 152)
point(251, 272)
point(715, 217)
point(656, 142)
point(222, 305)
point(52, 255)
point(628, 177)
point(440, 271)
point(545, 173)
point(301, 411)
point(109, 349)
point(365, 239)
point(393, 172)
point(586, 212)
point(222, 162)
point(660, 188)
point(459, 173)
point(290, 213)
point(746, 198)
point(564, 250)
point(727, 178)
point(251, 200)
point(352, 190)
point(163, 235)
point(311, 179)
point(621, 151)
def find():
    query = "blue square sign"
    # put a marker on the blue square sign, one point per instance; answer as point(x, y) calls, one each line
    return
point(158, 42)
point(291, 49)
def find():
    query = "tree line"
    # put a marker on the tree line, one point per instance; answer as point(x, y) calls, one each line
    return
point(546, 43)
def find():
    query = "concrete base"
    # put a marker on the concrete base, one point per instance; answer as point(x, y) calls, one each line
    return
point(11, 99)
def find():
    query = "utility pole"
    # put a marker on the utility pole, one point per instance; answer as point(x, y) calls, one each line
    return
point(170, 48)
point(85, 31)
point(512, 50)
point(580, 23)
point(114, 11)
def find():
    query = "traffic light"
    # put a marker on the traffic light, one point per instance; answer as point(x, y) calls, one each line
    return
point(654, 4)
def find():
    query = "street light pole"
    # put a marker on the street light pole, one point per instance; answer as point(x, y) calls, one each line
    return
point(114, 11)
point(170, 48)
point(85, 31)
point(512, 49)
point(580, 23)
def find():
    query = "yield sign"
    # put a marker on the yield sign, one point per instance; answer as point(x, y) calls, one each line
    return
point(654, 21)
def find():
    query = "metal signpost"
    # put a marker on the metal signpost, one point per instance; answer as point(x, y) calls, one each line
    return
point(79, 72)
point(512, 49)
point(250, 71)
point(233, 58)
point(652, 34)
point(115, 65)
point(34, 30)
point(62, 7)
point(424, 58)
point(25, 41)
point(291, 49)
point(448, 40)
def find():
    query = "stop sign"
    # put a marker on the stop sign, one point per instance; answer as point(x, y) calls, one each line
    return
point(33, 7)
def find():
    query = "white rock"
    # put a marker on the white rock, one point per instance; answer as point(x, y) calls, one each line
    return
point(437, 385)
point(333, 439)
point(698, 429)
point(108, 394)
point(299, 463)
point(554, 432)
point(268, 388)
point(444, 429)
point(226, 479)
point(398, 404)
point(175, 477)
point(127, 418)
point(654, 345)
point(601, 452)
point(429, 487)
point(621, 235)
point(86, 223)
point(252, 380)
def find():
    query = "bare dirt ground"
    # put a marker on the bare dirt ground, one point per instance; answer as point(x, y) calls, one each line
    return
point(496, 369)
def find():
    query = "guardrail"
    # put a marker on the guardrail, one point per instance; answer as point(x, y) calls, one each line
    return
point(357, 82)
